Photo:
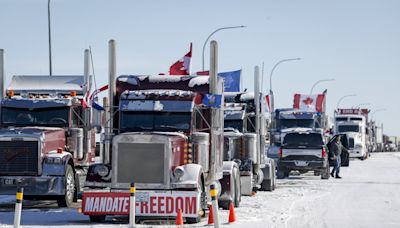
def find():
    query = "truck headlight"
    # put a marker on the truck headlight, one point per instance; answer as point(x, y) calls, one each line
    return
point(178, 172)
point(101, 170)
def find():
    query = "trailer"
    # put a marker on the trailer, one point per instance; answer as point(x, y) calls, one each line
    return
point(245, 141)
point(47, 137)
point(165, 135)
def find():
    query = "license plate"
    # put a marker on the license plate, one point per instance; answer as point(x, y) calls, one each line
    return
point(142, 196)
point(301, 163)
point(9, 181)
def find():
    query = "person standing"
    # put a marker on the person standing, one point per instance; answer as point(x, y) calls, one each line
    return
point(337, 149)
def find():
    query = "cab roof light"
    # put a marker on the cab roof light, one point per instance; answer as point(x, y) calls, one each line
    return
point(10, 93)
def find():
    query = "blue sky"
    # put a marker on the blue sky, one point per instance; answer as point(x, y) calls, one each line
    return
point(357, 42)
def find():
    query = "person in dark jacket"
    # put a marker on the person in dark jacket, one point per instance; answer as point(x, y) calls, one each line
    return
point(337, 149)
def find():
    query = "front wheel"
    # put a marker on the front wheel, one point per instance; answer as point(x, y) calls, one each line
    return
point(325, 174)
point(238, 194)
point(280, 174)
point(69, 185)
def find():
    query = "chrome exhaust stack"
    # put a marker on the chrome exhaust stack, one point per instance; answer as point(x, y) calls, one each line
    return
point(215, 122)
point(112, 75)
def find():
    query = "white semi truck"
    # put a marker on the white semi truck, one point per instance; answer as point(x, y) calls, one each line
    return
point(353, 123)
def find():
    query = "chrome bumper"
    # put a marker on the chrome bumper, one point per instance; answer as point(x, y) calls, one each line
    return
point(33, 186)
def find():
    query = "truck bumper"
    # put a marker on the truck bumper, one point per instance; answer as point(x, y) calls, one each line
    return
point(33, 186)
point(302, 165)
point(149, 204)
point(356, 153)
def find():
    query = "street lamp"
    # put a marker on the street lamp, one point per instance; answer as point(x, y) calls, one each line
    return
point(48, 19)
point(323, 80)
point(270, 79)
point(349, 95)
point(378, 110)
point(222, 28)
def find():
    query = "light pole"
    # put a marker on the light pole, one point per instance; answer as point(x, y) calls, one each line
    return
point(340, 100)
point(319, 81)
point(222, 28)
point(270, 80)
point(49, 25)
point(378, 110)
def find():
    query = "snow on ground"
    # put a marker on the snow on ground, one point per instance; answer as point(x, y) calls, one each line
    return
point(367, 196)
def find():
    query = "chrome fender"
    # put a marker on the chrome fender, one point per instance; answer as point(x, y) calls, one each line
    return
point(191, 177)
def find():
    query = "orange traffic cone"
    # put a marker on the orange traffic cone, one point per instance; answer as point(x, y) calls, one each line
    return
point(210, 216)
point(179, 218)
point(232, 217)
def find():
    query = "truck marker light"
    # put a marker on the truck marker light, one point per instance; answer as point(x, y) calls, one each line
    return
point(10, 93)
point(73, 93)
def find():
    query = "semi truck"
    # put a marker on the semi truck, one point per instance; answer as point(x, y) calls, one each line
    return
point(165, 135)
point(245, 142)
point(47, 139)
point(353, 122)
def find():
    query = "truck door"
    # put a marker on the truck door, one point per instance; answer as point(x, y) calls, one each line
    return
point(345, 156)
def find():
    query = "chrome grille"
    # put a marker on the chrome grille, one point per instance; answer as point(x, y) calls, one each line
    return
point(19, 158)
point(141, 163)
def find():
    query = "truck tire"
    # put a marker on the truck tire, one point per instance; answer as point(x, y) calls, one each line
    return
point(97, 218)
point(325, 174)
point(280, 174)
point(67, 199)
point(268, 184)
point(238, 194)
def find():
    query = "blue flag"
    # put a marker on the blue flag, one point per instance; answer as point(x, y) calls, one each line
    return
point(97, 106)
point(231, 80)
point(212, 100)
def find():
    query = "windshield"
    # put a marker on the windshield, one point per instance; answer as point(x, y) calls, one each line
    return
point(303, 140)
point(237, 124)
point(349, 128)
point(155, 121)
point(293, 123)
point(51, 117)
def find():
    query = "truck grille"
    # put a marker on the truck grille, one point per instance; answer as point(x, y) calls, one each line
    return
point(141, 163)
point(19, 158)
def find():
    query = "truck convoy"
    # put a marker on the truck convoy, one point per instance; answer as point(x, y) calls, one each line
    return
point(165, 135)
point(46, 137)
point(245, 127)
point(353, 123)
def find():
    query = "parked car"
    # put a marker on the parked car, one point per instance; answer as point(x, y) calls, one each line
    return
point(303, 151)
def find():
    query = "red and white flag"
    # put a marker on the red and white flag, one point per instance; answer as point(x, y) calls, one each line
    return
point(309, 102)
point(182, 66)
point(268, 102)
point(97, 91)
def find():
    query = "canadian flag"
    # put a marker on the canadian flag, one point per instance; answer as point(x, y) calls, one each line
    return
point(182, 66)
point(309, 102)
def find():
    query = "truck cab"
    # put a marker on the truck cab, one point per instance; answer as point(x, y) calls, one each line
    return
point(354, 126)
point(45, 145)
point(241, 138)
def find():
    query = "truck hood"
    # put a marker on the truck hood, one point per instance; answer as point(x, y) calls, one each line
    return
point(296, 129)
point(28, 131)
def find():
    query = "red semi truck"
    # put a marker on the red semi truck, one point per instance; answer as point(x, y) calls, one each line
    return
point(47, 140)
point(165, 135)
